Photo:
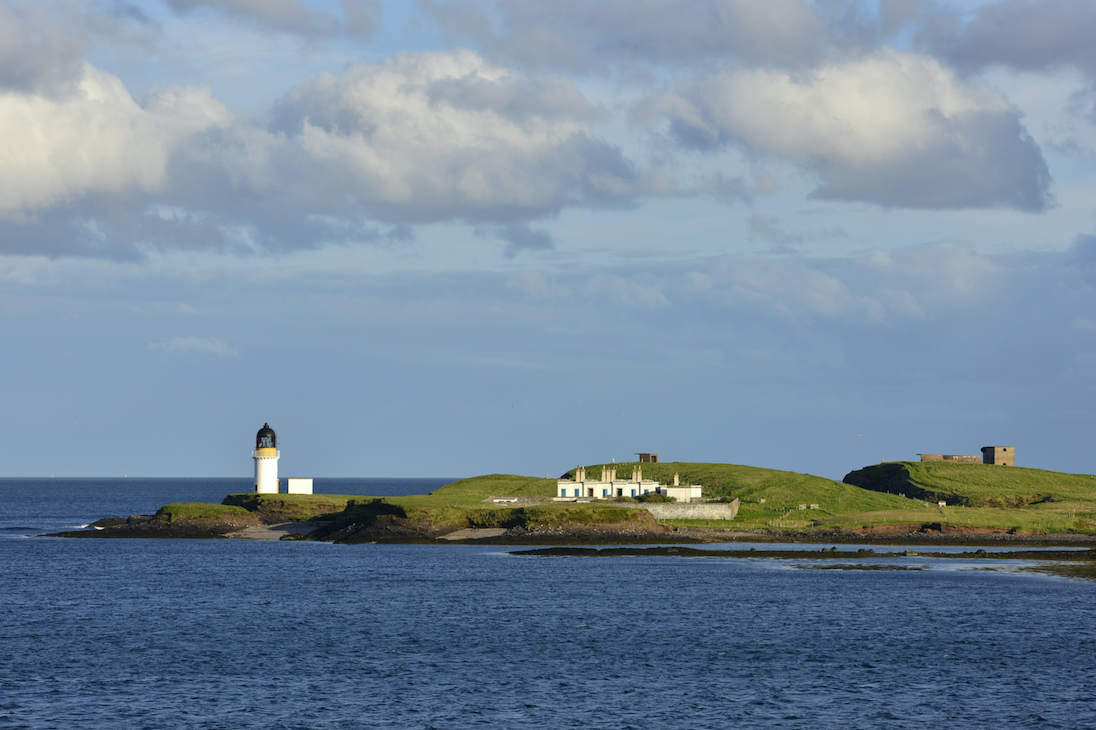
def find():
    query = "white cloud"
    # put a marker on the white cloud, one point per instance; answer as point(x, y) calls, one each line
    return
point(791, 289)
point(875, 287)
point(194, 344)
point(943, 274)
point(434, 136)
point(893, 128)
point(94, 138)
point(419, 138)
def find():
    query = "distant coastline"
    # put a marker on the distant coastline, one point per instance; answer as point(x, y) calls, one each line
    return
point(892, 503)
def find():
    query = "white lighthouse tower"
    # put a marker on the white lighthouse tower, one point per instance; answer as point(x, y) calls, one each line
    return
point(266, 460)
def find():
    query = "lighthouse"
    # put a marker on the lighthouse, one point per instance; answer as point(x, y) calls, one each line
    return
point(266, 460)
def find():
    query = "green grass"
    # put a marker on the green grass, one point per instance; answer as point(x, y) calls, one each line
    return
point(982, 495)
point(496, 485)
point(554, 515)
point(1050, 518)
point(198, 510)
point(975, 485)
point(546, 515)
point(291, 507)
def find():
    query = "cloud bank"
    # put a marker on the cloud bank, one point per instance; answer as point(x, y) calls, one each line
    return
point(419, 138)
point(447, 136)
point(897, 129)
point(505, 137)
point(93, 139)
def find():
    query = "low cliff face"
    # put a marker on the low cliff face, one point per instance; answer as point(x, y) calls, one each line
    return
point(895, 478)
point(165, 526)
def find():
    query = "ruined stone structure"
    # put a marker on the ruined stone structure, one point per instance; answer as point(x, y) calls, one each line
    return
point(647, 458)
point(961, 458)
point(999, 455)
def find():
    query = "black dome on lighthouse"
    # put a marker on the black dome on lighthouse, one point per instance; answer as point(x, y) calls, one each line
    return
point(266, 438)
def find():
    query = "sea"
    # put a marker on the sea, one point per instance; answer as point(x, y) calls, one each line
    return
point(169, 633)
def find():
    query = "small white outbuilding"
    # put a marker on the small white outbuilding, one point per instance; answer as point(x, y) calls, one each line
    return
point(299, 486)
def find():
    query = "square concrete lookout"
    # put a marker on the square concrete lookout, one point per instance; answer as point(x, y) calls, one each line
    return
point(1000, 455)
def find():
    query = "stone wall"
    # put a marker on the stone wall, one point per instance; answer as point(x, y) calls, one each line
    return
point(961, 458)
point(690, 511)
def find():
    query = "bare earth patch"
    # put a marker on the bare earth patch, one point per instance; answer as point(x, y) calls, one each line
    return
point(273, 532)
point(474, 533)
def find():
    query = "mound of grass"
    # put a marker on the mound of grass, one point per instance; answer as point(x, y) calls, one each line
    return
point(198, 510)
point(975, 485)
point(496, 485)
point(585, 514)
point(291, 507)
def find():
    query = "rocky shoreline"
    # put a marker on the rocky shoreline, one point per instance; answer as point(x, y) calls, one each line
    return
point(391, 529)
point(832, 553)
point(905, 535)
point(151, 526)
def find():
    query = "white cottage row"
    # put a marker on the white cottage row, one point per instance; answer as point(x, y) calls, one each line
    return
point(609, 486)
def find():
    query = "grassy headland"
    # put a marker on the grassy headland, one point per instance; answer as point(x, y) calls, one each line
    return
point(975, 485)
point(1005, 497)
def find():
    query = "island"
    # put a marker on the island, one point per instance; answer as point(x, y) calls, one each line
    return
point(928, 502)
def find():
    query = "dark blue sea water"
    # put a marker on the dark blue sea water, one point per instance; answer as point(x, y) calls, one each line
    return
point(239, 634)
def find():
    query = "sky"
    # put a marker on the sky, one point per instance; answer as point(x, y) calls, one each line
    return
point(455, 237)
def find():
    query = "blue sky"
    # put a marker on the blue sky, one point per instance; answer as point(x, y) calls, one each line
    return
point(455, 237)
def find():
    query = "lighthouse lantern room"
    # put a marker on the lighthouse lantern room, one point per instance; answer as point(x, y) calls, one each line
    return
point(266, 460)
